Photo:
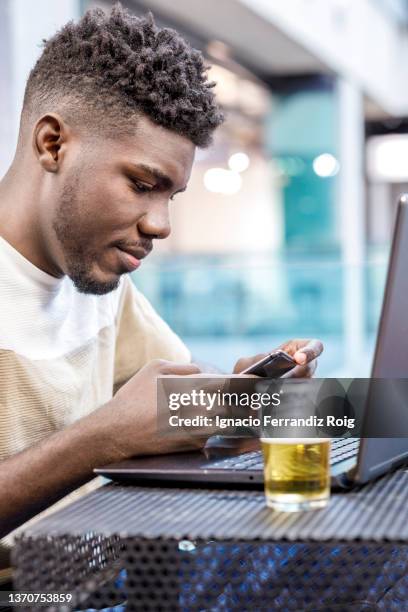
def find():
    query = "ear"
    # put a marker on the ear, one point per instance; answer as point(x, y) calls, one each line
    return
point(50, 138)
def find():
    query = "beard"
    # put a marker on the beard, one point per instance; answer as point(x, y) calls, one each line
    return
point(79, 256)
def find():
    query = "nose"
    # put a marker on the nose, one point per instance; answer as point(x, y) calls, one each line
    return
point(155, 222)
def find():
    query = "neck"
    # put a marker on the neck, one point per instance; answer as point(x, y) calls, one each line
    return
point(20, 218)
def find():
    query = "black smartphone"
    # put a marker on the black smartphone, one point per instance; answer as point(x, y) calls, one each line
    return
point(273, 365)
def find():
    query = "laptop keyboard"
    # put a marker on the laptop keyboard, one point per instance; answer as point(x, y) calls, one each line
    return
point(341, 449)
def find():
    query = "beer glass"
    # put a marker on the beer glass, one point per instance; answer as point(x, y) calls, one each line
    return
point(296, 472)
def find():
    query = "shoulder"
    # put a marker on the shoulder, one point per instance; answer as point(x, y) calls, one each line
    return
point(129, 298)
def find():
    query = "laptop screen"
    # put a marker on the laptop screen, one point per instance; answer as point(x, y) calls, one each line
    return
point(386, 409)
point(391, 354)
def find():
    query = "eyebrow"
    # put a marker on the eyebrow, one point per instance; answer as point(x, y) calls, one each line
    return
point(158, 175)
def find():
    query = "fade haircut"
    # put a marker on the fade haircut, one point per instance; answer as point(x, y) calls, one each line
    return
point(109, 67)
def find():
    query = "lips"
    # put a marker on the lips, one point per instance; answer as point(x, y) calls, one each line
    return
point(129, 260)
point(130, 254)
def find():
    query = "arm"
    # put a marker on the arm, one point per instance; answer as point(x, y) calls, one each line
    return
point(39, 476)
point(126, 426)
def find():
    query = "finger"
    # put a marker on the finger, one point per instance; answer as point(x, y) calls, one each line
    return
point(293, 345)
point(180, 369)
point(305, 371)
point(308, 352)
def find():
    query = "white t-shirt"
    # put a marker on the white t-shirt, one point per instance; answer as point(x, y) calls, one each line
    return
point(62, 353)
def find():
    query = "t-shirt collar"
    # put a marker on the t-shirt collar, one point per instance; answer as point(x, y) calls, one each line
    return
point(28, 268)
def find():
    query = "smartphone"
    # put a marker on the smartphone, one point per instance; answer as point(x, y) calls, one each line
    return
point(273, 365)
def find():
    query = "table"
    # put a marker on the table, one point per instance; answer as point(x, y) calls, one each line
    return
point(207, 549)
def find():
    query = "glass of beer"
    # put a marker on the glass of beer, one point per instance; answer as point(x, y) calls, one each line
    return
point(296, 473)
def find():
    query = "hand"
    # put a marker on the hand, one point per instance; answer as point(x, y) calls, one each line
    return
point(131, 416)
point(304, 352)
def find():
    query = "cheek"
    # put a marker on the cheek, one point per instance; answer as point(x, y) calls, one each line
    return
point(111, 205)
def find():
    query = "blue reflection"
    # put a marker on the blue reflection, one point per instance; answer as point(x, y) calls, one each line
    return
point(224, 310)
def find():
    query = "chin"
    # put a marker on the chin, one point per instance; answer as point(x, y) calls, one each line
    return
point(95, 286)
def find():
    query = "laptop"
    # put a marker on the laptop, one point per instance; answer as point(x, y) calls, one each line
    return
point(353, 461)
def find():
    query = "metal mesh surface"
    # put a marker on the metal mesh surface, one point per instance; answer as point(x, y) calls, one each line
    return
point(376, 512)
point(183, 549)
point(185, 575)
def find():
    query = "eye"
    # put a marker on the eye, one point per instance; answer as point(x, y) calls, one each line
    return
point(140, 187)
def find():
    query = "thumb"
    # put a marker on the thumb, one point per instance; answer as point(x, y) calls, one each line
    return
point(180, 369)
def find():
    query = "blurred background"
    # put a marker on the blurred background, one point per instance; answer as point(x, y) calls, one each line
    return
point(285, 228)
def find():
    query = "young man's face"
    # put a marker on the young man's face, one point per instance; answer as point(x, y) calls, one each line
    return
point(114, 201)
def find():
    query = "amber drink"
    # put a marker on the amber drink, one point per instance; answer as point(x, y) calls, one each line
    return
point(297, 473)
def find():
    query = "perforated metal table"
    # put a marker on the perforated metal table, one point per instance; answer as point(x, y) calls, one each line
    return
point(201, 549)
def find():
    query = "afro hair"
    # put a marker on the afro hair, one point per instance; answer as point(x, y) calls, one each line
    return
point(112, 66)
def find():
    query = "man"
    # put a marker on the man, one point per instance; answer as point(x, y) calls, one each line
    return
point(113, 111)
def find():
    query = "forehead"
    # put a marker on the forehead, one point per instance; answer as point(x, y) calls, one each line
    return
point(152, 145)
